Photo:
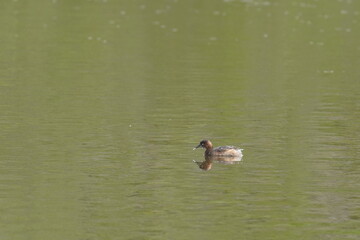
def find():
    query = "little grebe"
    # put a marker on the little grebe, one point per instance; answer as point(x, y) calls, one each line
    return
point(229, 151)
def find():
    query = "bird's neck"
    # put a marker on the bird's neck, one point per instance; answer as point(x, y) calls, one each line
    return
point(208, 150)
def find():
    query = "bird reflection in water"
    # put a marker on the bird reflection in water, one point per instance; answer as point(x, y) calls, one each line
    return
point(209, 160)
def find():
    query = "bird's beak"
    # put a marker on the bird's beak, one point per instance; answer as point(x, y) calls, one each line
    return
point(197, 146)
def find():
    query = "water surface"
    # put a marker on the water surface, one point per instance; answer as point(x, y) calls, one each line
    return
point(102, 102)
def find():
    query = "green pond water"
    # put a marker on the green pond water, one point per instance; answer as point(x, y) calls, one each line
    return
point(102, 102)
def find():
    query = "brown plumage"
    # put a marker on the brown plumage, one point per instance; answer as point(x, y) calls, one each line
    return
point(228, 151)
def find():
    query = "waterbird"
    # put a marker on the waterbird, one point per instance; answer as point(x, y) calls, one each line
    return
point(226, 151)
